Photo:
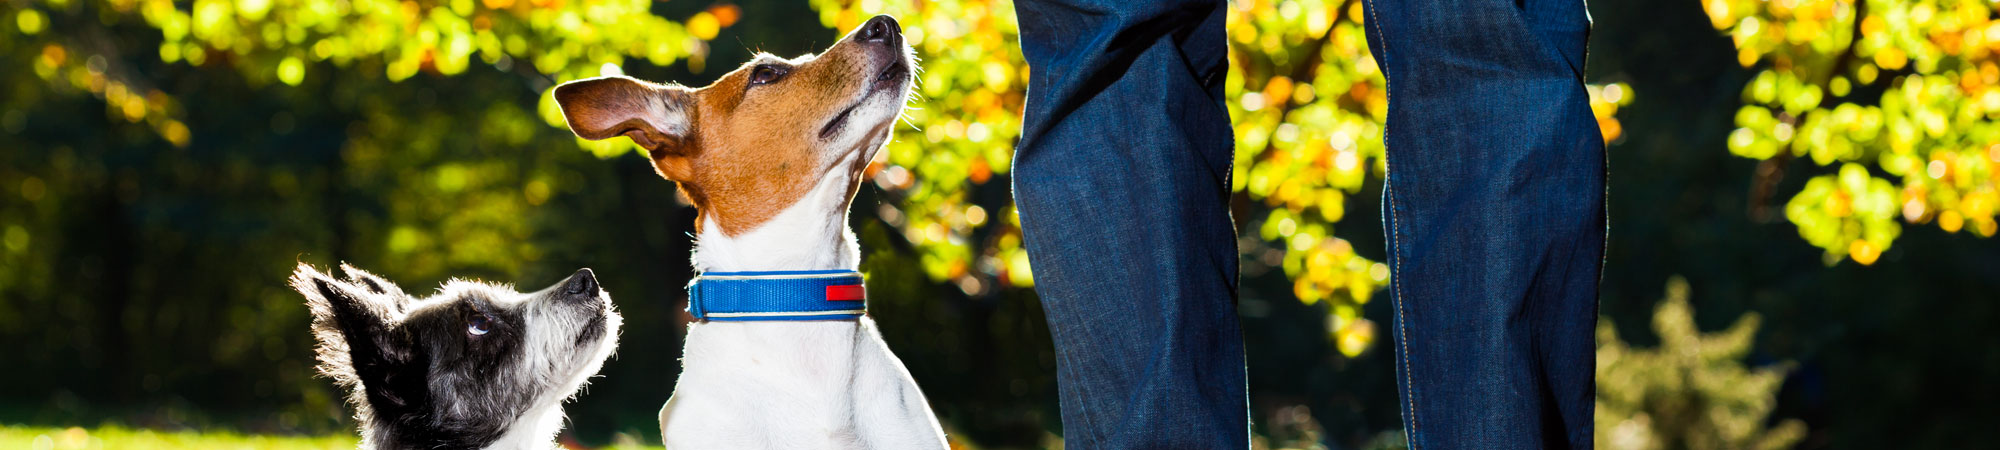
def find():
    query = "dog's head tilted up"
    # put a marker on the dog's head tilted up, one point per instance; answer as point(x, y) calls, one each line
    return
point(475, 366)
point(766, 135)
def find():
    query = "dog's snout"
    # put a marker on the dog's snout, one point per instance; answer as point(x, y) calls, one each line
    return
point(881, 29)
point(582, 284)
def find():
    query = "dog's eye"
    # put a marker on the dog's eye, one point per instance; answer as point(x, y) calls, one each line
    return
point(767, 74)
point(478, 324)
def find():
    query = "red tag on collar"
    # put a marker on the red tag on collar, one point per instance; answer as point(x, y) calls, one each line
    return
point(847, 292)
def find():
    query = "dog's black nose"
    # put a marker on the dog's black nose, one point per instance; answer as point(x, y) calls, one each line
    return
point(583, 283)
point(883, 29)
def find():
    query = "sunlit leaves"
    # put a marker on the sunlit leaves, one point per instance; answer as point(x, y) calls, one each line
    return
point(286, 40)
point(30, 21)
point(1692, 390)
point(437, 216)
point(1307, 103)
point(958, 135)
point(1900, 93)
point(1850, 212)
point(1604, 103)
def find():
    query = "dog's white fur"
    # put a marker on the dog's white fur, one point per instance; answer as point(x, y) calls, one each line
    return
point(537, 428)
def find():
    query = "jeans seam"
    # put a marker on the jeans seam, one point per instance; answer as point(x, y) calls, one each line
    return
point(1395, 240)
point(1083, 408)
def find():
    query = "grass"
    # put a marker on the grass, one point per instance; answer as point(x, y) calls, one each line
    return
point(115, 437)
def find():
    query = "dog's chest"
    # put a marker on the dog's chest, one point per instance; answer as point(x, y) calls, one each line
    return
point(799, 385)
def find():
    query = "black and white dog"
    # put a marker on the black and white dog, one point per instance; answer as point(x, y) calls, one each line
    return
point(476, 365)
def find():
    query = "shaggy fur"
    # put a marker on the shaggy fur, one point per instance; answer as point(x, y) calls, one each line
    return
point(477, 365)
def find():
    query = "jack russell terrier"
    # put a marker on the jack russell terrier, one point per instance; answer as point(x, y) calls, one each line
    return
point(783, 354)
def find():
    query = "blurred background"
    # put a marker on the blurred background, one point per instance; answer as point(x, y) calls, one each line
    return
point(1802, 198)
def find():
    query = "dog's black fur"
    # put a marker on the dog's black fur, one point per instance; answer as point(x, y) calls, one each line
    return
point(475, 366)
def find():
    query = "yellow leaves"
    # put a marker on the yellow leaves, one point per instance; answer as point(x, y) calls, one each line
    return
point(1836, 212)
point(1747, 57)
point(175, 132)
point(703, 26)
point(1018, 272)
point(1891, 58)
point(1863, 252)
point(1332, 205)
point(1746, 30)
point(53, 55)
point(291, 71)
point(1324, 269)
point(1933, 63)
point(961, 133)
point(1951, 221)
point(536, 192)
point(1351, 337)
point(30, 21)
point(277, 42)
point(1307, 137)
point(1604, 103)
point(996, 75)
point(17, 239)
point(253, 10)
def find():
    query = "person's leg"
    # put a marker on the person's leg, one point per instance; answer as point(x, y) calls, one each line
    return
point(1122, 180)
point(1494, 215)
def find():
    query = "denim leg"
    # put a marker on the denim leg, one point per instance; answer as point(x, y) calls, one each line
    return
point(1494, 212)
point(1122, 181)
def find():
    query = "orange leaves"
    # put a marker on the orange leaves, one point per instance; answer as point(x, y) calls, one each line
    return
point(725, 14)
point(1278, 89)
point(956, 137)
point(1604, 103)
point(287, 41)
point(1917, 152)
point(704, 25)
point(1307, 104)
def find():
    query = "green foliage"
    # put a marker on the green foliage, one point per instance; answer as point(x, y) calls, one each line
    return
point(1307, 102)
point(167, 161)
point(1899, 96)
point(960, 141)
point(366, 43)
point(286, 40)
point(1692, 391)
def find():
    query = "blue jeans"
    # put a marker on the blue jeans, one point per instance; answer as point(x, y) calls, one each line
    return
point(1494, 215)
point(1122, 180)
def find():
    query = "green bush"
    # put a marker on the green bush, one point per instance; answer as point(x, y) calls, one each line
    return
point(1692, 391)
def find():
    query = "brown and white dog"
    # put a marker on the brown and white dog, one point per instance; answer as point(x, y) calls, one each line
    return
point(772, 154)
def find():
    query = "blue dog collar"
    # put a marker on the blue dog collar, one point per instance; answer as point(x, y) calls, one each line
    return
point(781, 295)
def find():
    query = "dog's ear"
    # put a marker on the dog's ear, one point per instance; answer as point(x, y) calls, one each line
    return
point(358, 345)
point(385, 291)
point(658, 118)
